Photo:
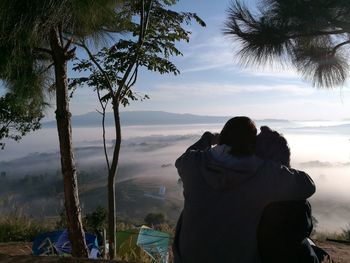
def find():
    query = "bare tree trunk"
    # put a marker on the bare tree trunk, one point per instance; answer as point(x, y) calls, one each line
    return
point(112, 228)
point(75, 227)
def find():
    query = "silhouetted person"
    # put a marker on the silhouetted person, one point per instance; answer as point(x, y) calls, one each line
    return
point(284, 226)
point(226, 188)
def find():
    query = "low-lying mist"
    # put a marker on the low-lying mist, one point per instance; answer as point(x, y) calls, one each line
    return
point(33, 181)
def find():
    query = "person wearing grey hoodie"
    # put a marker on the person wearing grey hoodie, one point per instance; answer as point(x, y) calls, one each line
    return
point(226, 188)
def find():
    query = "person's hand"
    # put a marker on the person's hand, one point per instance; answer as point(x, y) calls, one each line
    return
point(213, 138)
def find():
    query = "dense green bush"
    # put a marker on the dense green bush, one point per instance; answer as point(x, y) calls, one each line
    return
point(96, 221)
point(93, 222)
point(61, 223)
point(153, 219)
point(20, 228)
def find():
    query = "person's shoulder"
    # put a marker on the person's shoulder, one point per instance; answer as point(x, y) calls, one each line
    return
point(272, 168)
point(269, 166)
point(273, 165)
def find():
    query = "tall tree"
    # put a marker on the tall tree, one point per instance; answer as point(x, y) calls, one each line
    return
point(36, 37)
point(312, 35)
point(148, 41)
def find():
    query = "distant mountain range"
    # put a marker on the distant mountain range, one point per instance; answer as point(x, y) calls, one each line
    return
point(92, 119)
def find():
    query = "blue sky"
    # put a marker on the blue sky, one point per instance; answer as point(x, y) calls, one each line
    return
point(213, 83)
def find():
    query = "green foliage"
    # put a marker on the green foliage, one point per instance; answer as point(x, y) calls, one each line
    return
point(96, 221)
point(18, 228)
point(93, 222)
point(18, 116)
point(25, 26)
point(149, 41)
point(312, 35)
point(153, 219)
point(62, 222)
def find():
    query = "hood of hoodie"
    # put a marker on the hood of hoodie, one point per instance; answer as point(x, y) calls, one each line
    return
point(223, 171)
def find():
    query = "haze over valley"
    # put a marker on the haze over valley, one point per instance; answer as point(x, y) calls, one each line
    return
point(31, 179)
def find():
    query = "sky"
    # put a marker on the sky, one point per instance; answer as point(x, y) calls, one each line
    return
point(212, 82)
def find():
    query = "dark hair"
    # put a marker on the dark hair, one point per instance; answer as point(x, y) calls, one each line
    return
point(240, 134)
point(273, 146)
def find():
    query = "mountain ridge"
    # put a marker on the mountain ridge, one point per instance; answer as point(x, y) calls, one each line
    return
point(129, 118)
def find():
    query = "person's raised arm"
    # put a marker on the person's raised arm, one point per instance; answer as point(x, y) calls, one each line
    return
point(189, 156)
point(205, 142)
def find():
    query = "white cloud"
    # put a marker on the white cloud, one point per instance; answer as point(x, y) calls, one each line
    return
point(304, 109)
point(219, 53)
point(216, 52)
point(273, 72)
point(173, 91)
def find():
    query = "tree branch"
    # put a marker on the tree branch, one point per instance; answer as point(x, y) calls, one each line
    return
point(70, 53)
point(142, 19)
point(69, 42)
point(103, 106)
point(93, 59)
point(44, 50)
point(142, 34)
point(6, 126)
point(340, 45)
point(147, 20)
point(133, 78)
point(131, 82)
point(47, 68)
point(60, 33)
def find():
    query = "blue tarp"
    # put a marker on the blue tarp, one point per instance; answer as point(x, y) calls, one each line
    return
point(57, 242)
point(154, 243)
point(45, 243)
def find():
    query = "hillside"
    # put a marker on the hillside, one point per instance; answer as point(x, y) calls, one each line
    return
point(136, 197)
point(93, 119)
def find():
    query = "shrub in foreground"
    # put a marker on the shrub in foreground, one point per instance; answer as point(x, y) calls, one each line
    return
point(16, 228)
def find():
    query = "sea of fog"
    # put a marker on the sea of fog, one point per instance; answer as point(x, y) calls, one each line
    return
point(321, 148)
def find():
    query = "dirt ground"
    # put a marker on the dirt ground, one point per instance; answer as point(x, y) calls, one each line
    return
point(18, 252)
point(340, 253)
point(16, 248)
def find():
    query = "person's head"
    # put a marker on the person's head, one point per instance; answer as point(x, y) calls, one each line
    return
point(240, 134)
point(273, 146)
